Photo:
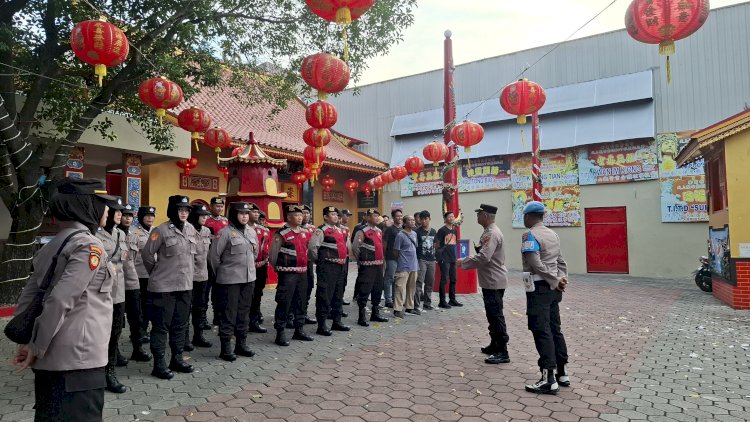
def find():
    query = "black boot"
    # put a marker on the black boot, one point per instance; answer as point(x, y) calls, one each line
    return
point(375, 316)
point(493, 347)
point(199, 339)
point(241, 348)
point(226, 350)
point(204, 325)
point(310, 321)
point(281, 339)
point(290, 322)
point(260, 317)
point(499, 357)
point(160, 367)
point(113, 385)
point(121, 360)
point(177, 364)
point(338, 326)
point(188, 347)
point(139, 354)
point(454, 302)
point(363, 317)
point(547, 384)
point(443, 304)
point(323, 329)
point(255, 327)
point(300, 334)
point(562, 375)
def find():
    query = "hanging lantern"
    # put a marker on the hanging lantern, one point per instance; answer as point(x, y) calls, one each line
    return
point(521, 98)
point(187, 164)
point(100, 44)
point(315, 157)
point(435, 151)
point(343, 12)
point(321, 115)
point(223, 170)
point(351, 185)
point(398, 173)
point(467, 134)
point(195, 121)
point(218, 138)
point(387, 178)
point(378, 182)
point(299, 177)
point(317, 138)
point(160, 94)
point(665, 21)
point(414, 165)
point(368, 190)
point(326, 73)
point(327, 181)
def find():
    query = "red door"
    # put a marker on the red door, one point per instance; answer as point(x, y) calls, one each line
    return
point(606, 240)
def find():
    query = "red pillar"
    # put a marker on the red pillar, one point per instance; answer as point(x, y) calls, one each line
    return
point(449, 115)
point(536, 161)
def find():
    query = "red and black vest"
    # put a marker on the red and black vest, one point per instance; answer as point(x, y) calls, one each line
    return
point(216, 224)
point(293, 252)
point(371, 249)
point(264, 245)
point(333, 247)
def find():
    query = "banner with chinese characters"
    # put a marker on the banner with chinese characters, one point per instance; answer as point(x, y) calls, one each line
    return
point(617, 162)
point(683, 189)
point(474, 175)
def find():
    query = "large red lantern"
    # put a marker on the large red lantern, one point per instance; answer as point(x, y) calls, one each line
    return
point(218, 138)
point(467, 134)
point(343, 12)
point(665, 21)
point(367, 190)
point(414, 165)
point(321, 115)
point(351, 185)
point(160, 94)
point(195, 121)
point(398, 173)
point(326, 73)
point(387, 178)
point(522, 98)
point(327, 181)
point(435, 151)
point(100, 44)
point(314, 157)
point(317, 138)
point(378, 182)
point(299, 178)
point(187, 164)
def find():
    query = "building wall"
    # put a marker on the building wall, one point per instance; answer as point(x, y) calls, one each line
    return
point(350, 200)
point(737, 151)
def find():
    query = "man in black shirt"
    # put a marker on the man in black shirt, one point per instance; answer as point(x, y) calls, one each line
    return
point(391, 255)
point(445, 243)
point(426, 256)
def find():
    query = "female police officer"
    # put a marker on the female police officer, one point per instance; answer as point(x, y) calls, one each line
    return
point(68, 347)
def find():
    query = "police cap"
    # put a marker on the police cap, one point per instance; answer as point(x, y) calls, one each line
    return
point(329, 209)
point(373, 211)
point(128, 209)
point(217, 200)
point(240, 206)
point(489, 209)
point(200, 209)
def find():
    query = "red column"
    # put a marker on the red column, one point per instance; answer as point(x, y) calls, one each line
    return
point(536, 161)
point(449, 115)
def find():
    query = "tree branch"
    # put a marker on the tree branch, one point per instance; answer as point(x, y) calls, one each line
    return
point(10, 8)
point(223, 15)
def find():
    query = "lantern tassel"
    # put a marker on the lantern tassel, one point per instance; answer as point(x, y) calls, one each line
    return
point(100, 70)
point(345, 37)
point(521, 120)
point(523, 138)
point(343, 16)
point(669, 72)
point(197, 148)
point(322, 95)
point(161, 113)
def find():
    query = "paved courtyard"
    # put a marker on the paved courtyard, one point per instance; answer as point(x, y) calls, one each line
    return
point(657, 350)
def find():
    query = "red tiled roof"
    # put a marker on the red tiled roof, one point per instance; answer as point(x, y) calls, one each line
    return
point(282, 135)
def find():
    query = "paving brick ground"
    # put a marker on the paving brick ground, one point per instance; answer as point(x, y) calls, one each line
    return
point(641, 349)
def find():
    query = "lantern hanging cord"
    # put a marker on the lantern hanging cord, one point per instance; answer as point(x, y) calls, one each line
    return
point(28, 72)
point(494, 94)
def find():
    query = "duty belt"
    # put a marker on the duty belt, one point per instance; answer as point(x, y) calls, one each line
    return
point(291, 269)
point(371, 263)
point(259, 264)
point(341, 261)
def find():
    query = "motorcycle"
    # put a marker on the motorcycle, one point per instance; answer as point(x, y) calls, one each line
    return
point(703, 275)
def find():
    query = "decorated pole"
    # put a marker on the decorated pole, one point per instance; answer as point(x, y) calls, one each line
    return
point(450, 177)
point(536, 162)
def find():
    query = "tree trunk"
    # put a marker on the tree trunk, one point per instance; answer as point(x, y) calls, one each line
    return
point(15, 260)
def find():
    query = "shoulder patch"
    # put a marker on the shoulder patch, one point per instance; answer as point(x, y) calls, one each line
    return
point(529, 243)
point(95, 257)
point(96, 250)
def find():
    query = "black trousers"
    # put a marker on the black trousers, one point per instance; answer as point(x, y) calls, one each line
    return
point(310, 284)
point(63, 396)
point(169, 314)
point(209, 293)
point(543, 310)
point(118, 321)
point(261, 274)
point(330, 291)
point(447, 272)
point(144, 304)
point(369, 284)
point(290, 297)
point(493, 307)
point(199, 304)
point(134, 313)
point(233, 303)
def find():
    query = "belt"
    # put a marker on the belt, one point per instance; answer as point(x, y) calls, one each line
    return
point(291, 269)
point(540, 279)
point(341, 261)
point(371, 263)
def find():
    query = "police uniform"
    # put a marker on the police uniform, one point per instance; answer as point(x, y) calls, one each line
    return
point(133, 306)
point(288, 256)
point(261, 273)
point(70, 337)
point(345, 273)
point(200, 279)
point(329, 249)
point(216, 223)
point(493, 279)
point(169, 256)
point(367, 248)
point(310, 269)
point(137, 239)
point(544, 267)
point(233, 257)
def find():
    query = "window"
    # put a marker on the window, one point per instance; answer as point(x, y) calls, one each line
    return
point(717, 184)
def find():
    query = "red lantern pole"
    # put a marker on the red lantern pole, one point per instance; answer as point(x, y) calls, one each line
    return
point(536, 161)
point(449, 115)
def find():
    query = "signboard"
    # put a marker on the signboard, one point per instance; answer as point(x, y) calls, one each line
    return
point(364, 201)
point(199, 182)
point(718, 252)
point(333, 196)
point(474, 175)
point(683, 189)
point(428, 182)
point(617, 162)
point(292, 191)
point(397, 205)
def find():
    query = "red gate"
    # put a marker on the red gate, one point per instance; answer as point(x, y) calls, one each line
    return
point(606, 240)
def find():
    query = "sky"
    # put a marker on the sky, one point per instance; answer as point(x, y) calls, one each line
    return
point(488, 28)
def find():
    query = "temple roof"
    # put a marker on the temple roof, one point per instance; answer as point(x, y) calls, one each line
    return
point(252, 153)
point(702, 140)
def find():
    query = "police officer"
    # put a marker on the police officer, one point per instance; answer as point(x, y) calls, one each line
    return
point(68, 350)
point(141, 230)
point(545, 278)
point(261, 268)
point(307, 225)
point(344, 225)
point(197, 218)
point(262, 221)
point(115, 245)
point(367, 249)
point(289, 258)
point(216, 222)
point(233, 256)
point(329, 249)
point(169, 256)
point(133, 309)
point(493, 279)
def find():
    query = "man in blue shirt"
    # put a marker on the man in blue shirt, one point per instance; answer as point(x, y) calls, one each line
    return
point(405, 248)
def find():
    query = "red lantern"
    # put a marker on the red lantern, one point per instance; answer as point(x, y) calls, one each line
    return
point(299, 178)
point(160, 94)
point(326, 73)
point(414, 165)
point(321, 115)
point(343, 12)
point(521, 98)
point(195, 121)
point(467, 134)
point(378, 182)
point(315, 157)
point(327, 181)
point(100, 44)
point(317, 138)
point(187, 164)
point(218, 138)
point(665, 21)
point(387, 178)
point(435, 151)
point(367, 190)
point(223, 170)
point(398, 172)
point(351, 185)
